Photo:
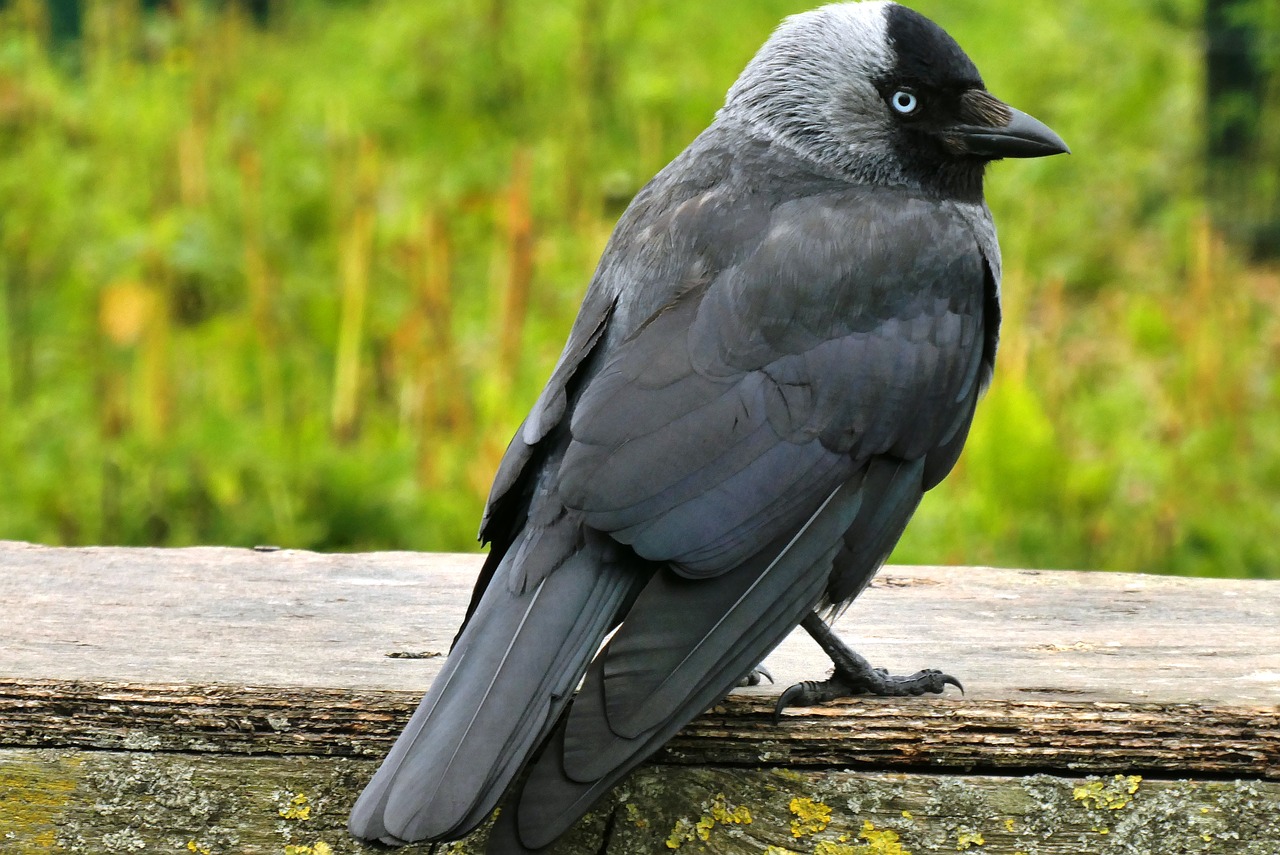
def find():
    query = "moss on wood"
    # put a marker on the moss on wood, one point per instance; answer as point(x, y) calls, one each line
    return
point(211, 804)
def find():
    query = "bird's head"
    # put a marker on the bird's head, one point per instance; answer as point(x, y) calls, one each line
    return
point(883, 95)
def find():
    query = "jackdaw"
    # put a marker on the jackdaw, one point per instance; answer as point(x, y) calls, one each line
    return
point(779, 353)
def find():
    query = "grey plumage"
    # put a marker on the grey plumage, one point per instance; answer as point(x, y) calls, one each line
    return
point(780, 352)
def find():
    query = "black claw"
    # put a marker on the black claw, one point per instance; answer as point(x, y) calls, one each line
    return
point(813, 692)
point(764, 672)
point(854, 675)
point(785, 700)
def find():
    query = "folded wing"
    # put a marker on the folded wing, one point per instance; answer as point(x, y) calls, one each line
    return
point(764, 440)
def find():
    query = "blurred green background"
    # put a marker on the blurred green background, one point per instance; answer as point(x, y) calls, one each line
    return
point(295, 278)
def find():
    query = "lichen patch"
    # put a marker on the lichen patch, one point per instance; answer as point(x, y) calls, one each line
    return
point(1115, 794)
point(717, 811)
point(298, 807)
point(880, 841)
point(810, 817)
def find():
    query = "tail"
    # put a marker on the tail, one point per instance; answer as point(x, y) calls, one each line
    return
point(505, 684)
point(683, 646)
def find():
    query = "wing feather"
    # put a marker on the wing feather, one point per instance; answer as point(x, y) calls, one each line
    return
point(504, 685)
point(725, 419)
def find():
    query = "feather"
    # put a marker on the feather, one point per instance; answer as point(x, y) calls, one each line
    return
point(503, 687)
point(683, 646)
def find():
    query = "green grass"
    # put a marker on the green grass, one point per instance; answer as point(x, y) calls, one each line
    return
point(298, 286)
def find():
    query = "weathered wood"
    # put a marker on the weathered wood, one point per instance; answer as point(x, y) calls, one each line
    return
point(190, 696)
point(937, 733)
point(95, 802)
point(289, 618)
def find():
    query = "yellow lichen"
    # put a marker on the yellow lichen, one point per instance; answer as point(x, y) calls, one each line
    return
point(1008, 825)
point(317, 848)
point(1108, 795)
point(723, 812)
point(681, 833)
point(826, 847)
point(198, 848)
point(811, 817)
point(299, 807)
point(880, 841)
point(966, 839)
point(35, 801)
point(906, 814)
point(718, 811)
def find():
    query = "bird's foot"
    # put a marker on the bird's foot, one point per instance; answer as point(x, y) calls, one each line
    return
point(877, 682)
point(756, 676)
point(854, 676)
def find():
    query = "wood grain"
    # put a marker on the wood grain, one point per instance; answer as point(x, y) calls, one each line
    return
point(876, 733)
point(290, 618)
point(181, 700)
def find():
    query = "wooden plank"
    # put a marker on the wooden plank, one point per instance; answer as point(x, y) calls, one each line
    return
point(1065, 670)
point(289, 618)
point(95, 802)
point(944, 734)
point(193, 695)
point(233, 616)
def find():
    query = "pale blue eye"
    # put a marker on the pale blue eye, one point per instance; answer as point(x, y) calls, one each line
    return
point(904, 102)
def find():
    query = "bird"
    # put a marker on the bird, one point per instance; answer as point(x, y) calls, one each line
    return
point(780, 351)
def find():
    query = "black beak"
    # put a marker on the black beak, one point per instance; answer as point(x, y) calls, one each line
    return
point(1021, 136)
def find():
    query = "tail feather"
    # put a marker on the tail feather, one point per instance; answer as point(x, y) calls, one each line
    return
point(528, 648)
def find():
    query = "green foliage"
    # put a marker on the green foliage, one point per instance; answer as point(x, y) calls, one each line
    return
point(299, 285)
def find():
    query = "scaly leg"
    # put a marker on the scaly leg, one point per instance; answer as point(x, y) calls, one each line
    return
point(855, 676)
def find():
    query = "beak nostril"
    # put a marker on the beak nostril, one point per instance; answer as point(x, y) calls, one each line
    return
point(980, 107)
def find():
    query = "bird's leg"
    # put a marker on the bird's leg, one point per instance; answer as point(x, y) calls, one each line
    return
point(854, 675)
